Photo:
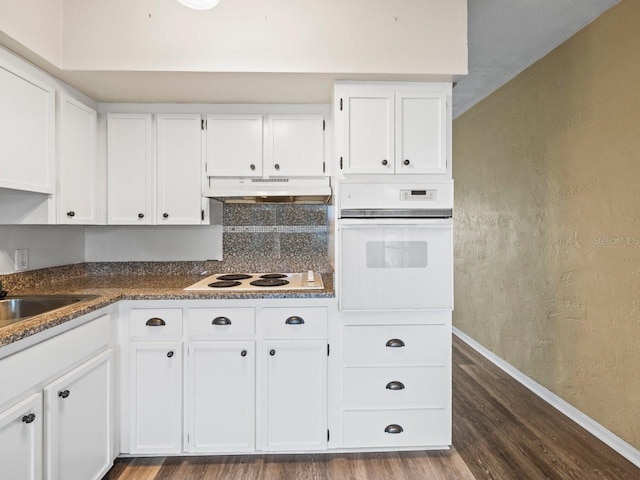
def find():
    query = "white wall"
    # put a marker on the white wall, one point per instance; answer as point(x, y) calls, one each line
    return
point(49, 245)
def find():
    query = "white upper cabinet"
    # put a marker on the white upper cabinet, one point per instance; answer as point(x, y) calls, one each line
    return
point(130, 169)
point(295, 145)
point(234, 145)
point(77, 173)
point(393, 128)
point(27, 133)
point(179, 150)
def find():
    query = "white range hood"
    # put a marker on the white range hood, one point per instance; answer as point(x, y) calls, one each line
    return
point(258, 190)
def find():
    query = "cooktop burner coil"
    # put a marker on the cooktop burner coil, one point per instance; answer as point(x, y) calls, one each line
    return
point(225, 284)
point(269, 282)
point(234, 276)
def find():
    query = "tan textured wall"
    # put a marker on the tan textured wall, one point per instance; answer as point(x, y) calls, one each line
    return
point(547, 238)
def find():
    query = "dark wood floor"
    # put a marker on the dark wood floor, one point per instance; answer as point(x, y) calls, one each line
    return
point(501, 431)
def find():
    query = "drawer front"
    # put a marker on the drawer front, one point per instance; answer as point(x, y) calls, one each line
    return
point(284, 323)
point(150, 323)
point(397, 345)
point(414, 428)
point(221, 323)
point(396, 387)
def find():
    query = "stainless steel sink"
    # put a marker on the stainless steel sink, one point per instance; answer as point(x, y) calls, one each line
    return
point(15, 309)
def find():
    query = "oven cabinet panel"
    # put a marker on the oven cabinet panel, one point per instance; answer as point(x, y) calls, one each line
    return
point(294, 403)
point(221, 396)
point(421, 134)
point(21, 440)
point(234, 145)
point(295, 146)
point(78, 441)
point(396, 267)
point(369, 132)
point(156, 397)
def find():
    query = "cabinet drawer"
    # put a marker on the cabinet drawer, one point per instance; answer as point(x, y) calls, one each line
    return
point(151, 323)
point(305, 322)
point(397, 345)
point(396, 387)
point(372, 428)
point(221, 323)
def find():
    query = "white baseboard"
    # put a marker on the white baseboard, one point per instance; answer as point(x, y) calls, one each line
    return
point(590, 425)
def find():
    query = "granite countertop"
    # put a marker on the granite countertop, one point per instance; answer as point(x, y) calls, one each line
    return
point(112, 288)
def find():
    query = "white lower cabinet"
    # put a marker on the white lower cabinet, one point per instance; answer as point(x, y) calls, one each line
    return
point(156, 397)
point(295, 405)
point(78, 422)
point(222, 396)
point(21, 440)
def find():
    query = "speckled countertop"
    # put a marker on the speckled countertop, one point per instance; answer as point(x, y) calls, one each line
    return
point(112, 288)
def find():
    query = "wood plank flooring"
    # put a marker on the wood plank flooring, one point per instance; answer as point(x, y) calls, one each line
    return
point(501, 431)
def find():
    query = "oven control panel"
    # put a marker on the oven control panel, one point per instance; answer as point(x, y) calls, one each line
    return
point(429, 195)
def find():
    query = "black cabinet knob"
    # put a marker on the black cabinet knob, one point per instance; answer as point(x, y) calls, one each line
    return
point(406, 162)
point(170, 354)
point(272, 352)
point(295, 320)
point(395, 385)
point(384, 162)
point(395, 343)
point(252, 166)
point(243, 353)
point(71, 214)
point(277, 166)
point(394, 429)
point(141, 215)
point(165, 215)
point(29, 418)
point(221, 321)
point(155, 322)
point(64, 393)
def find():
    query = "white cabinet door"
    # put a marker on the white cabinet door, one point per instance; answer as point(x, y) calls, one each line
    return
point(156, 397)
point(77, 172)
point(369, 131)
point(295, 146)
point(221, 397)
point(421, 133)
point(234, 145)
point(130, 169)
point(78, 442)
point(179, 149)
point(295, 395)
point(21, 440)
point(27, 133)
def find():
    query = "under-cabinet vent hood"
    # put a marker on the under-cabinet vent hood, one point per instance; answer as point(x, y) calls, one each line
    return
point(266, 190)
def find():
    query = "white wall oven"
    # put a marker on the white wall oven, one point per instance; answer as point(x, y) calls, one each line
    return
point(396, 246)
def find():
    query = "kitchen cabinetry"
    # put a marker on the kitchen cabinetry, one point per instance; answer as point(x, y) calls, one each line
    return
point(155, 381)
point(293, 146)
point(78, 422)
point(77, 202)
point(393, 128)
point(130, 169)
point(27, 132)
point(397, 379)
point(295, 350)
point(21, 440)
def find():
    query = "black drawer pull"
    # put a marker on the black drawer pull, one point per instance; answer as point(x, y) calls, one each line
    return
point(155, 322)
point(221, 321)
point(64, 393)
point(394, 429)
point(395, 385)
point(29, 418)
point(294, 320)
point(395, 343)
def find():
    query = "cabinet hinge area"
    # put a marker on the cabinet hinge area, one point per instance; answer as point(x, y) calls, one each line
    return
point(203, 124)
point(324, 125)
point(202, 215)
point(340, 104)
point(328, 349)
point(324, 167)
point(340, 163)
point(328, 434)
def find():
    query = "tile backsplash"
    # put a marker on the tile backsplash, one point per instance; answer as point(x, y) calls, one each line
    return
point(276, 237)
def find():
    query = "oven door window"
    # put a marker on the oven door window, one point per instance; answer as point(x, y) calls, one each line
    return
point(396, 267)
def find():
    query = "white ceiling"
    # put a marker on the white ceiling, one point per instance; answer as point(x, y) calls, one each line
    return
point(507, 36)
